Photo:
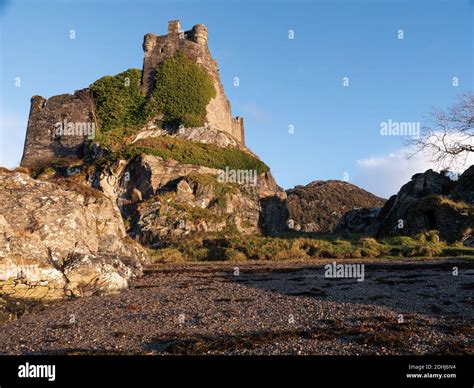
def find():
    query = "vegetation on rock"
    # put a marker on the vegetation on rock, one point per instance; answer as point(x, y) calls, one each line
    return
point(199, 154)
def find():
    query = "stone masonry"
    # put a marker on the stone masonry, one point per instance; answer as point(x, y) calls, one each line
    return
point(42, 144)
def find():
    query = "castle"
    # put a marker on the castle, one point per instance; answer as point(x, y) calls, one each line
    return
point(42, 143)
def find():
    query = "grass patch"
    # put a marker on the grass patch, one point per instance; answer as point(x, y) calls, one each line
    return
point(188, 152)
point(225, 247)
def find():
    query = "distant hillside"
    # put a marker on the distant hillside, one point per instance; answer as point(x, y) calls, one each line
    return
point(318, 206)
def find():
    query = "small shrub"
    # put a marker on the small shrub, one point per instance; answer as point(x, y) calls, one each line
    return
point(429, 237)
point(402, 241)
point(167, 255)
point(232, 254)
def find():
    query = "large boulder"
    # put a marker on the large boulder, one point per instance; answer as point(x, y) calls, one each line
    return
point(61, 239)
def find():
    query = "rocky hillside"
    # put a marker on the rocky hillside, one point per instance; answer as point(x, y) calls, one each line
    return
point(318, 206)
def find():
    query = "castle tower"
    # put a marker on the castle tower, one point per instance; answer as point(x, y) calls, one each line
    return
point(200, 34)
point(193, 43)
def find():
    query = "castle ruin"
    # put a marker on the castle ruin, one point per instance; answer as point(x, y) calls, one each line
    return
point(43, 145)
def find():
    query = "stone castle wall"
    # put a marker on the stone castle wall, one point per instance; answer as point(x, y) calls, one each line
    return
point(42, 143)
point(193, 43)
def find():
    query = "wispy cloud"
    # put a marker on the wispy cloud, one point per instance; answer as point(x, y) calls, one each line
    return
point(385, 174)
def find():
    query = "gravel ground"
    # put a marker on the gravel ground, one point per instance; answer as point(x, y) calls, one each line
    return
point(401, 307)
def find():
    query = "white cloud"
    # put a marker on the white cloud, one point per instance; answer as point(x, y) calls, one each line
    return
point(384, 175)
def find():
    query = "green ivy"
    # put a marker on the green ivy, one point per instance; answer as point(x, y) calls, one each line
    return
point(120, 107)
point(183, 90)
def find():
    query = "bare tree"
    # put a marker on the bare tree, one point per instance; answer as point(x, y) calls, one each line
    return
point(448, 136)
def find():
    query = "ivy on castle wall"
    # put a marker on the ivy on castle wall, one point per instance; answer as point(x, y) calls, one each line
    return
point(182, 91)
point(120, 107)
point(181, 94)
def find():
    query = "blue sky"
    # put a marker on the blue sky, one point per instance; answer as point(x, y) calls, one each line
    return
point(283, 82)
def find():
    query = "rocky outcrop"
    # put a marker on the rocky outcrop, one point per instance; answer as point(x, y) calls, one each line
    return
point(61, 239)
point(360, 221)
point(464, 187)
point(197, 203)
point(431, 201)
point(318, 206)
point(164, 198)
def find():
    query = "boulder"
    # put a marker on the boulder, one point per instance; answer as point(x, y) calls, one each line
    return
point(59, 239)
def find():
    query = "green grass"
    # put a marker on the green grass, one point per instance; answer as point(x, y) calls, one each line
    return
point(222, 247)
point(188, 152)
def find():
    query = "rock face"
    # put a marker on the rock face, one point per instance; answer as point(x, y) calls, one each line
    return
point(360, 221)
point(205, 135)
point(164, 198)
point(431, 201)
point(318, 206)
point(464, 188)
point(59, 240)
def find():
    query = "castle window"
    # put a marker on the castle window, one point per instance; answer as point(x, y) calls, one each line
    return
point(161, 50)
